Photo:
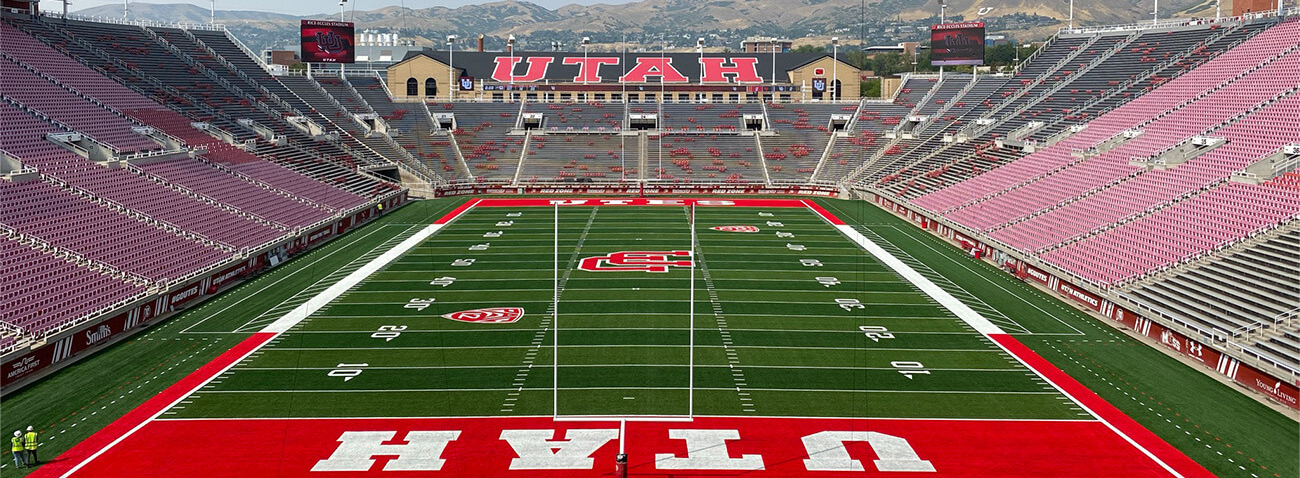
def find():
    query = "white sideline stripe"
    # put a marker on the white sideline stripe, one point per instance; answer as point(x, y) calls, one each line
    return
point(326, 296)
point(961, 310)
point(980, 324)
point(432, 228)
point(160, 412)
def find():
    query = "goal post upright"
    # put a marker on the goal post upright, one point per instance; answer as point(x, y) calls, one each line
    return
point(690, 387)
point(555, 323)
point(555, 319)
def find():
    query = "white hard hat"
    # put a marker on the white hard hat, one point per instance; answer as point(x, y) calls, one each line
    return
point(18, 433)
point(29, 428)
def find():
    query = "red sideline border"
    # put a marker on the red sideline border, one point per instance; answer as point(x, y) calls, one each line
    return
point(1161, 452)
point(104, 439)
point(1127, 428)
point(1124, 426)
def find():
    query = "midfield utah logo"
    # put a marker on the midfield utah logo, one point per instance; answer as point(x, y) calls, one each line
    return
point(735, 228)
point(494, 315)
point(627, 261)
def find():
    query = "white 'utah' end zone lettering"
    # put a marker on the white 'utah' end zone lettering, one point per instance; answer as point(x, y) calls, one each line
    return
point(706, 449)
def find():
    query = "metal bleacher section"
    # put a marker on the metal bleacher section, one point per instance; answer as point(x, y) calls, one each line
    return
point(1180, 200)
point(170, 67)
point(1155, 164)
point(1250, 296)
point(136, 160)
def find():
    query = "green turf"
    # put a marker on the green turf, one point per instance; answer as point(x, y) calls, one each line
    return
point(80, 399)
point(1211, 422)
point(623, 342)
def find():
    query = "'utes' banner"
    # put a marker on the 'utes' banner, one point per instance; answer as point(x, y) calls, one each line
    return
point(493, 315)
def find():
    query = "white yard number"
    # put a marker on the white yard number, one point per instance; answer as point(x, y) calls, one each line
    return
point(493, 234)
point(514, 214)
point(784, 235)
point(796, 247)
point(765, 214)
point(462, 262)
point(910, 368)
point(419, 304)
point(810, 262)
point(875, 332)
point(480, 247)
point(828, 281)
point(850, 304)
point(443, 281)
point(348, 371)
point(774, 224)
point(388, 332)
point(505, 223)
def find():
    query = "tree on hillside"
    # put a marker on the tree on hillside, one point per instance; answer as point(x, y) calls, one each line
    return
point(809, 49)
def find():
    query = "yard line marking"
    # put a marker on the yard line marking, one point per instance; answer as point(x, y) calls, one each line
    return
point(624, 329)
point(271, 286)
point(925, 270)
point(1025, 356)
point(536, 345)
point(328, 295)
point(999, 286)
point(728, 389)
point(315, 288)
point(737, 375)
point(772, 347)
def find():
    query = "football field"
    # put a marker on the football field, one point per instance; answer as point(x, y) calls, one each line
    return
point(700, 337)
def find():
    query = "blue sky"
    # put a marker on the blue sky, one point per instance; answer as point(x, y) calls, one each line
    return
point(306, 7)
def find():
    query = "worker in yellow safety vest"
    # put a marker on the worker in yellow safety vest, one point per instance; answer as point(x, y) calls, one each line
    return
point(29, 443)
point(16, 447)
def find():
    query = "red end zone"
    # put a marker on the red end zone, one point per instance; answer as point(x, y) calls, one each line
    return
point(138, 445)
point(760, 447)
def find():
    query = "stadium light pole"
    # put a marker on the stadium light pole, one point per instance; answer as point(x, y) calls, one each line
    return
point(212, 12)
point(772, 97)
point(343, 9)
point(451, 65)
point(1071, 14)
point(699, 47)
point(510, 43)
point(1155, 12)
point(835, 68)
point(943, 17)
point(586, 42)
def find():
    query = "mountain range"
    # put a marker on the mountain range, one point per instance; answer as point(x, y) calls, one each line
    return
point(686, 18)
